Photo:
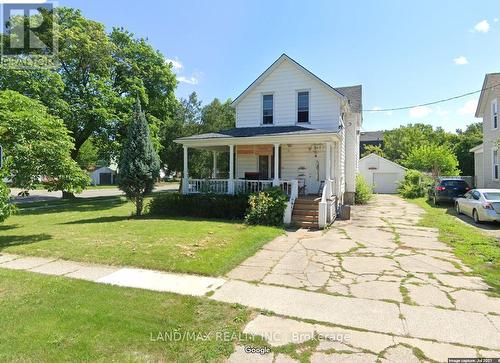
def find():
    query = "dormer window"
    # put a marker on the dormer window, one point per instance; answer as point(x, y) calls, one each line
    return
point(303, 106)
point(494, 114)
point(267, 109)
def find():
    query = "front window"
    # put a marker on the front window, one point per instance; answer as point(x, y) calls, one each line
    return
point(303, 107)
point(495, 164)
point(267, 109)
point(494, 114)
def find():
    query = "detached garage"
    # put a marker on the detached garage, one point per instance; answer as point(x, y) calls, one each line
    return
point(383, 174)
point(103, 176)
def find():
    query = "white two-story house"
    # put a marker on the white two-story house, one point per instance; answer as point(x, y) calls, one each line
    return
point(486, 155)
point(295, 131)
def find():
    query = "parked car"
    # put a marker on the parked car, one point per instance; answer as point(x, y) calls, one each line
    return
point(481, 204)
point(447, 190)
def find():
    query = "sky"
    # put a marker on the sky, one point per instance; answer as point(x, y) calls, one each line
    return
point(404, 53)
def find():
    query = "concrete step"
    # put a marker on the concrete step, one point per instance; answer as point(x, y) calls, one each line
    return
point(306, 224)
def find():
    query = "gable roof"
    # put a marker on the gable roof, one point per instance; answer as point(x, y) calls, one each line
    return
point(490, 80)
point(275, 65)
point(383, 159)
point(354, 96)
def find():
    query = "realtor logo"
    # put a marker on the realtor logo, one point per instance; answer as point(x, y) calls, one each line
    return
point(28, 35)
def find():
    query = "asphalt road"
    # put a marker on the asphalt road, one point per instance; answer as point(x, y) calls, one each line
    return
point(43, 195)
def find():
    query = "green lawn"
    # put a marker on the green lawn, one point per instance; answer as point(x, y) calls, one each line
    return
point(476, 249)
point(101, 230)
point(56, 319)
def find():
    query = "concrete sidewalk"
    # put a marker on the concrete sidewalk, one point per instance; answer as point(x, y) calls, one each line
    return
point(126, 277)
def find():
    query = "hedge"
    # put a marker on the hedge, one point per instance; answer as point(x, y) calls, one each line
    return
point(199, 205)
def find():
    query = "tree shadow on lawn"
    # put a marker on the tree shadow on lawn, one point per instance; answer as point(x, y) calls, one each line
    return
point(8, 227)
point(77, 205)
point(146, 217)
point(9, 241)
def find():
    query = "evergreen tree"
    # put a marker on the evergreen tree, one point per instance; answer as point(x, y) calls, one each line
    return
point(139, 163)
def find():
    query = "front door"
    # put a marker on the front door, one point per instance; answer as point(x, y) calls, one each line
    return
point(263, 167)
point(312, 175)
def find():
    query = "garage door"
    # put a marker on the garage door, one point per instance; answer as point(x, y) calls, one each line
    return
point(105, 178)
point(385, 182)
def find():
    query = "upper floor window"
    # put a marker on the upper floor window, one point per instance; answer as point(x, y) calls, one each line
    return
point(267, 109)
point(303, 106)
point(494, 114)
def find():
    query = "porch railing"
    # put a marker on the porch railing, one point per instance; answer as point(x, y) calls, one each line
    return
point(251, 186)
point(222, 186)
point(327, 206)
point(216, 186)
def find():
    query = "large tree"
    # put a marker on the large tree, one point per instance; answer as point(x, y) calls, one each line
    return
point(436, 159)
point(97, 79)
point(139, 163)
point(466, 140)
point(399, 142)
point(37, 144)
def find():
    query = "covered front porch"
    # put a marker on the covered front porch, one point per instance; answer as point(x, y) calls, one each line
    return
point(301, 165)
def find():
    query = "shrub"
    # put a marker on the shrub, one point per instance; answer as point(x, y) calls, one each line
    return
point(413, 185)
point(364, 191)
point(199, 205)
point(267, 207)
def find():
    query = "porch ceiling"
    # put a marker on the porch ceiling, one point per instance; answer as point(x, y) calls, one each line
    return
point(260, 135)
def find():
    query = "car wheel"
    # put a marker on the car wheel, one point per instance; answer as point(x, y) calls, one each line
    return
point(457, 208)
point(475, 216)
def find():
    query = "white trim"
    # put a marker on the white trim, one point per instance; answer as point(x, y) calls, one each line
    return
point(297, 91)
point(380, 157)
point(494, 112)
point(477, 149)
point(493, 163)
point(262, 108)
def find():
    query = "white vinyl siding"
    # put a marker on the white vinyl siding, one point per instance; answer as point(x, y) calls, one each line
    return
point(283, 83)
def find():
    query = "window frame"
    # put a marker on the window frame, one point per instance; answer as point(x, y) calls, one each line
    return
point(494, 114)
point(494, 164)
point(297, 106)
point(262, 108)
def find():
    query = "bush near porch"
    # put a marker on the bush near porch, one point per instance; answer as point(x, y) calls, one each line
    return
point(199, 205)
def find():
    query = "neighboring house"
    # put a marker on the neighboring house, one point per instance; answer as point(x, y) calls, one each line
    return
point(384, 175)
point(295, 131)
point(103, 176)
point(375, 138)
point(486, 155)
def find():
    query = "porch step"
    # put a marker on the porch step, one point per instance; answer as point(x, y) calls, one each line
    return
point(302, 212)
point(305, 212)
point(305, 218)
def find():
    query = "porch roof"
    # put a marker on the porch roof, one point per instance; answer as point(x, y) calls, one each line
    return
point(253, 134)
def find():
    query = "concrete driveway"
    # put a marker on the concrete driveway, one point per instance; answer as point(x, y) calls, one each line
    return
point(43, 195)
point(397, 291)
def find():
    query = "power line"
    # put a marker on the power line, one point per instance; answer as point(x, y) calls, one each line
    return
point(431, 103)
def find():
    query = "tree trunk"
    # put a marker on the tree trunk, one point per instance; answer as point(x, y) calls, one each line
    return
point(138, 205)
point(67, 195)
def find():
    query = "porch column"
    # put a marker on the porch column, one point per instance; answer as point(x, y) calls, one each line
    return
point(214, 170)
point(328, 161)
point(276, 180)
point(185, 175)
point(230, 186)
